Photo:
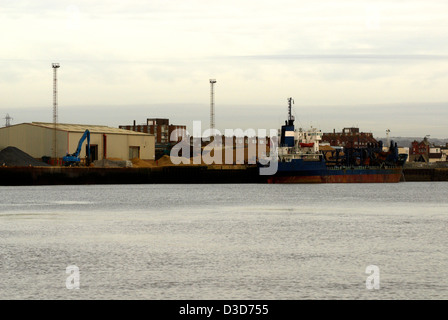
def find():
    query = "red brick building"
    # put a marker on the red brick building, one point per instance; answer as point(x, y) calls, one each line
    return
point(419, 151)
point(420, 147)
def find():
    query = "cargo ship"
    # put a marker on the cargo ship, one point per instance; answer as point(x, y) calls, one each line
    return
point(301, 159)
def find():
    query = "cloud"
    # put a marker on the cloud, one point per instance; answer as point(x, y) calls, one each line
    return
point(261, 52)
point(348, 58)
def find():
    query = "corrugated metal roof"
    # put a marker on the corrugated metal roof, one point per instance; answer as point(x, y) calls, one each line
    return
point(84, 127)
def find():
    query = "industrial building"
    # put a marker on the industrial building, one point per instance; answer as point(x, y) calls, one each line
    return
point(160, 128)
point(37, 139)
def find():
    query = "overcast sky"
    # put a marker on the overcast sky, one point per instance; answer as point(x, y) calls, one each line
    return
point(377, 65)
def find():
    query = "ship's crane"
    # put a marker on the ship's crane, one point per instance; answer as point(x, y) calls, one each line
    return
point(73, 159)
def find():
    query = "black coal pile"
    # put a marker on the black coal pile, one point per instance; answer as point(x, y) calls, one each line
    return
point(13, 157)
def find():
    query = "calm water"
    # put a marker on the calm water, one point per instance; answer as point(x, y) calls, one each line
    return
point(225, 241)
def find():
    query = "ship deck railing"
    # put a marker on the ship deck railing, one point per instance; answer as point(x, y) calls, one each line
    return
point(334, 167)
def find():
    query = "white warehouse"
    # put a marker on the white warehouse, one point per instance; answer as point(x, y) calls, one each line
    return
point(37, 139)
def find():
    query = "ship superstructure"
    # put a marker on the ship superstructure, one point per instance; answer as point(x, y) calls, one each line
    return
point(300, 159)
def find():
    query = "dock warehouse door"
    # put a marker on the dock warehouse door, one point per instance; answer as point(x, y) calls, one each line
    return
point(93, 152)
point(134, 152)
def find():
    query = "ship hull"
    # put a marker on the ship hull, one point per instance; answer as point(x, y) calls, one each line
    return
point(385, 177)
point(317, 172)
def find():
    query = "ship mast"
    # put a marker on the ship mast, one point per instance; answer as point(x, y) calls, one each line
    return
point(290, 116)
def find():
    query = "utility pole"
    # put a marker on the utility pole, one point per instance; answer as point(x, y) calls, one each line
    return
point(55, 67)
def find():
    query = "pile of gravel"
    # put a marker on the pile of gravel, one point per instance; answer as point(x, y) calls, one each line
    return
point(13, 157)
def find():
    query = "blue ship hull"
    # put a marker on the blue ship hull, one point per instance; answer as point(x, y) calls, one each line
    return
point(300, 171)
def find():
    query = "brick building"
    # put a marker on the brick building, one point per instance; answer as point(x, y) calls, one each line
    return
point(420, 148)
point(160, 128)
point(349, 138)
point(424, 151)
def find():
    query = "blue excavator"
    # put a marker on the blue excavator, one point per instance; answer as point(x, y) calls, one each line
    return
point(73, 159)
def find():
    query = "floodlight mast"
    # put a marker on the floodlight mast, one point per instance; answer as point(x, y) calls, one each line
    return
point(8, 120)
point(55, 66)
point(212, 105)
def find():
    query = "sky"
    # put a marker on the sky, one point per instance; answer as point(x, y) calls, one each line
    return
point(377, 65)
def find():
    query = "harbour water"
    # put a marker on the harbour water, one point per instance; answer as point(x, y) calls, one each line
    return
point(226, 241)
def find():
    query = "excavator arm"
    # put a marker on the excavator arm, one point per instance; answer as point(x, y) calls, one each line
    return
point(73, 159)
point(85, 136)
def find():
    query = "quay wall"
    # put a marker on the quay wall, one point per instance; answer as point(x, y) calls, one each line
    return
point(171, 174)
point(15, 176)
